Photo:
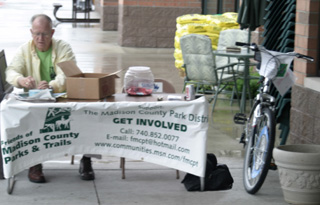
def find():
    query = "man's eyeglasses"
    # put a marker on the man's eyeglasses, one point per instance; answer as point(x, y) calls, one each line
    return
point(45, 35)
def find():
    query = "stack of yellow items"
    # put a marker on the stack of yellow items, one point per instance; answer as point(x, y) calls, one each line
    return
point(209, 25)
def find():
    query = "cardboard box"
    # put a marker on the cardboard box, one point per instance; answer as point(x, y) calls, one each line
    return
point(87, 85)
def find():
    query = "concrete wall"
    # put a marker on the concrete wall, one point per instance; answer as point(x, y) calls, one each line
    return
point(109, 12)
point(305, 116)
point(149, 23)
point(152, 23)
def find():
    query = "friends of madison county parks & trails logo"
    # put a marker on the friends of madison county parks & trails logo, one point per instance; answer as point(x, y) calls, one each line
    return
point(57, 119)
point(282, 70)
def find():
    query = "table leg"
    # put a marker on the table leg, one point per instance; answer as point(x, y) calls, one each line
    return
point(10, 187)
point(74, 9)
point(1, 167)
point(87, 9)
point(202, 183)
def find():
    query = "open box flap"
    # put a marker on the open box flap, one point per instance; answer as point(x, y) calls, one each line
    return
point(116, 72)
point(69, 68)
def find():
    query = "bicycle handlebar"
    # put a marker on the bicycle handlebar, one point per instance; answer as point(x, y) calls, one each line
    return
point(254, 47)
point(242, 44)
point(309, 58)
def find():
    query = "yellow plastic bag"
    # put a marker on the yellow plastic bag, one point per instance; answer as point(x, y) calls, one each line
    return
point(209, 25)
point(177, 54)
point(177, 42)
point(233, 27)
point(196, 28)
point(213, 37)
point(231, 15)
point(212, 28)
point(223, 21)
point(191, 18)
point(179, 64)
point(182, 30)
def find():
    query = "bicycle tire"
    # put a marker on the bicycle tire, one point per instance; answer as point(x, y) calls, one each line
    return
point(258, 152)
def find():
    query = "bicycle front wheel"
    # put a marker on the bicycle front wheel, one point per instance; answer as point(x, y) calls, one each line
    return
point(259, 151)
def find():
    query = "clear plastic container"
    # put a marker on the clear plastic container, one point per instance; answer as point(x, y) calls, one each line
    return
point(139, 80)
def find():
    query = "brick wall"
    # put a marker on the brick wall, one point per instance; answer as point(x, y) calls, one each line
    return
point(306, 38)
point(228, 6)
point(305, 106)
point(97, 4)
point(152, 23)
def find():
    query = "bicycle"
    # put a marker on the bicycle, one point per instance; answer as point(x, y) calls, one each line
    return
point(259, 132)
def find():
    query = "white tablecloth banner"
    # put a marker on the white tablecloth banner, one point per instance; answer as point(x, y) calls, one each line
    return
point(168, 133)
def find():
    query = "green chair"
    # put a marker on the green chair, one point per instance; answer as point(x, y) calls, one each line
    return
point(200, 68)
point(228, 38)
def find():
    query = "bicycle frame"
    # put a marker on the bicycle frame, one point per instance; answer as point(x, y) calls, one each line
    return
point(259, 139)
point(259, 131)
point(262, 99)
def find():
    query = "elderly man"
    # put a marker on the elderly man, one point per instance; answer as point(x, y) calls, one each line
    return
point(35, 67)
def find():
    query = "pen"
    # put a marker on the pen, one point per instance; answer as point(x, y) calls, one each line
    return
point(52, 73)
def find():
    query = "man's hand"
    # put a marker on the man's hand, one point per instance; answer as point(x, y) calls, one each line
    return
point(27, 82)
point(43, 85)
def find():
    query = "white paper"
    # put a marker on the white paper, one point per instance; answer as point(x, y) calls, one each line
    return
point(283, 84)
point(43, 95)
point(276, 66)
point(271, 61)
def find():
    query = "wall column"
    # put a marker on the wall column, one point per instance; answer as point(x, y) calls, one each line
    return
point(305, 106)
point(109, 15)
point(152, 23)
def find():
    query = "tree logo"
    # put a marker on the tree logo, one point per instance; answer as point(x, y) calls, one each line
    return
point(282, 70)
point(57, 119)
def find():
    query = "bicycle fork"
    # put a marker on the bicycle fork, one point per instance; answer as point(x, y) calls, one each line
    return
point(241, 118)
